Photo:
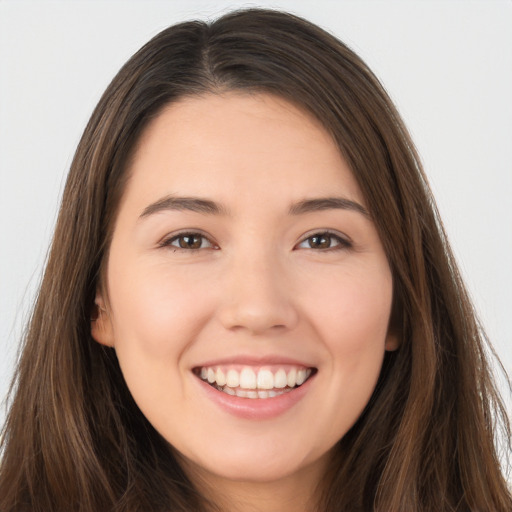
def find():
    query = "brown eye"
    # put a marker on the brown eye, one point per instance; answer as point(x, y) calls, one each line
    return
point(189, 241)
point(324, 241)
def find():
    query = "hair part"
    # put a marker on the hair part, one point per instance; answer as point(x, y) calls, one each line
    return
point(74, 438)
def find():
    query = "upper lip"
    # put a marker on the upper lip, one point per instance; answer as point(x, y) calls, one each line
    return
point(248, 360)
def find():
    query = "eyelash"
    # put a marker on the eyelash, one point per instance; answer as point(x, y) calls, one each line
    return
point(190, 234)
point(340, 242)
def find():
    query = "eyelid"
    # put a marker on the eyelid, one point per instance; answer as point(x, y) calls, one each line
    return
point(344, 241)
point(170, 237)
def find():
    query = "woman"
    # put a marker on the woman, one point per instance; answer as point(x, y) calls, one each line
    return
point(250, 303)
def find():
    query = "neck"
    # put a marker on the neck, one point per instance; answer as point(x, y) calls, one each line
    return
point(298, 492)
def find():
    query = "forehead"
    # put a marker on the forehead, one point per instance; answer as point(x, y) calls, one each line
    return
point(237, 144)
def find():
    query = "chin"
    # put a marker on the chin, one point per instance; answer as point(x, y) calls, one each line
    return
point(255, 466)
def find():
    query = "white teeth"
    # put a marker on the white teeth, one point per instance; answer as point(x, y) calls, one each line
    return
point(232, 379)
point(220, 378)
point(249, 383)
point(280, 380)
point(228, 390)
point(301, 377)
point(291, 378)
point(265, 379)
point(247, 379)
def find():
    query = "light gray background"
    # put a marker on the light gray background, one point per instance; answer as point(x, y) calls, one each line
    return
point(447, 65)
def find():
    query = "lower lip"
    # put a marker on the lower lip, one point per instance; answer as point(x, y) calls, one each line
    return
point(255, 408)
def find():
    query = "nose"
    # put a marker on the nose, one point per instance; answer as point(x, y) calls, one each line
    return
point(257, 296)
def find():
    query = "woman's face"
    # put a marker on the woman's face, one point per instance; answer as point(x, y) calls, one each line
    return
point(248, 291)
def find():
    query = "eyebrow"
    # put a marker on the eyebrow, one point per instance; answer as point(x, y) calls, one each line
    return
point(327, 203)
point(193, 204)
point(208, 207)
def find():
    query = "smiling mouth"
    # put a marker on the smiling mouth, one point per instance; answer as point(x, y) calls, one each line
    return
point(248, 382)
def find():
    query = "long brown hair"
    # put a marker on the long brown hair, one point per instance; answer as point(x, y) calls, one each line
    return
point(75, 440)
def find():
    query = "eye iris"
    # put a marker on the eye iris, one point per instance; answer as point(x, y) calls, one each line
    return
point(320, 242)
point(190, 242)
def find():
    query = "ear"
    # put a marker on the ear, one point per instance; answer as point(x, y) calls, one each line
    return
point(395, 327)
point(392, 341)
point(101, 324)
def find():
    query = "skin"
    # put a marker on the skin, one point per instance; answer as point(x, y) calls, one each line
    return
point(256, 287)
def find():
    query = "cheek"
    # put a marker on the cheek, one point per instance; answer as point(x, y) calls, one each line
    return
point(352, 321)
point(353, 311)
point(155, 317)
point(156, 313)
